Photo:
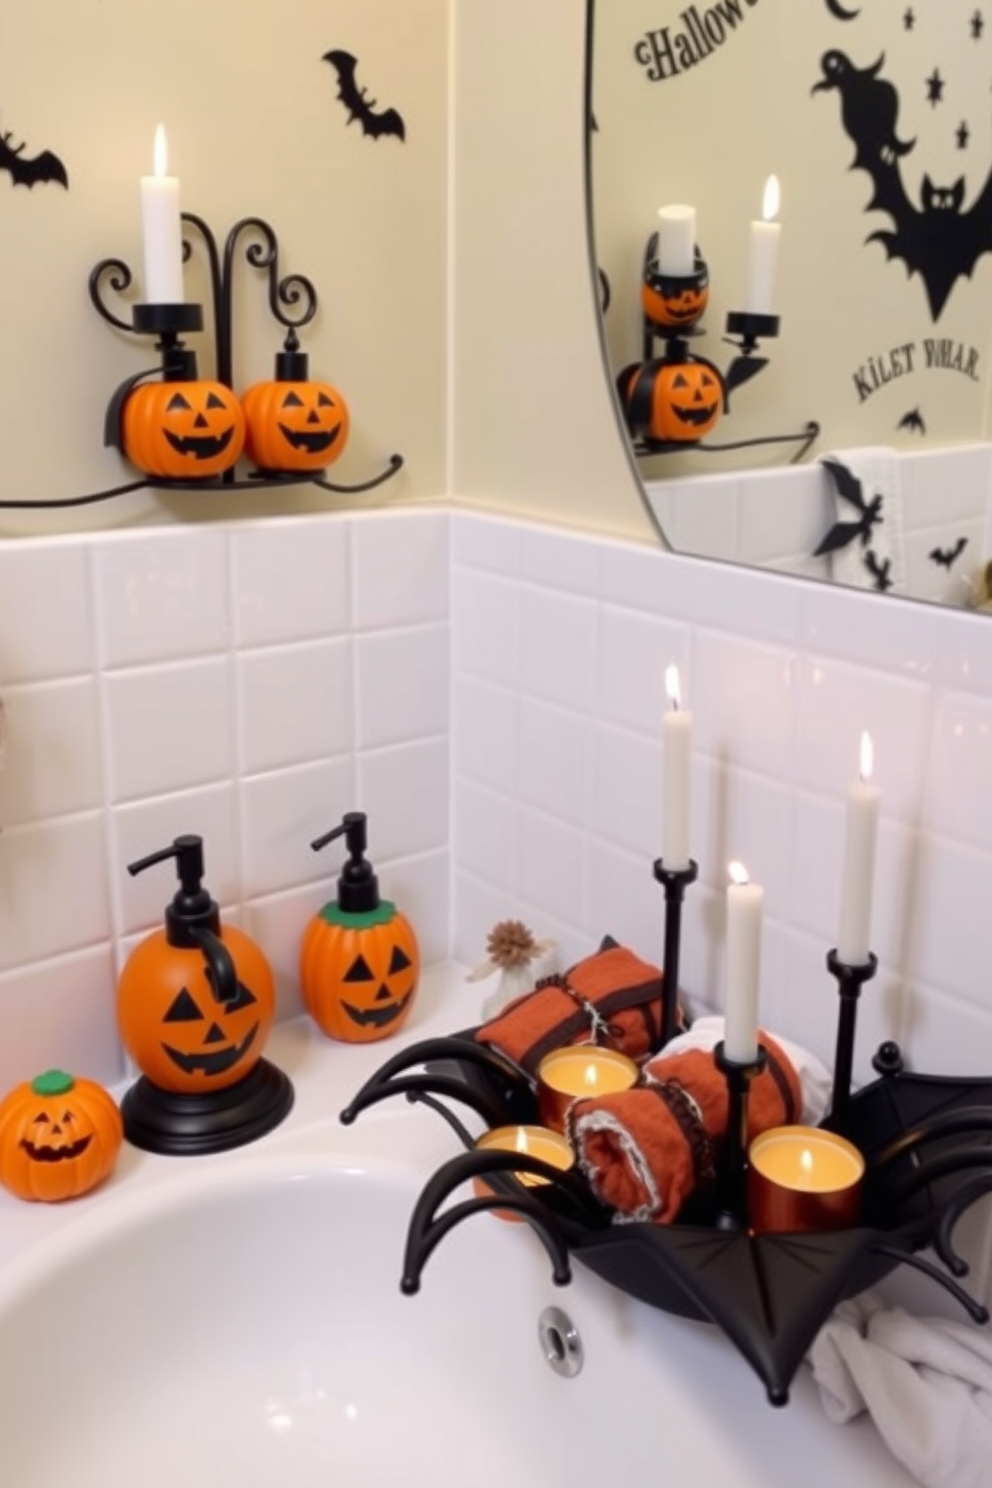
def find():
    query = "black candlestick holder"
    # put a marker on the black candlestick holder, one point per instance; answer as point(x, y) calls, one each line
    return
point(674, 881)
point(850, 980)
point(732, 1189)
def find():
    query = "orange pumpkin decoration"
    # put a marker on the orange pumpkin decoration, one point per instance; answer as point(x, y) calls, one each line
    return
point(673, 401)
point(182, 430)
point(676, 304)
point(293, 423)
point(174, 1026)
point(359, 961)
point(59, 1137)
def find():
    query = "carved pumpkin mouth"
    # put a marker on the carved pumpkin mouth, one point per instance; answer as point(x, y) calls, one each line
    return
point(682, 314)
point(376, 1017)
point(694, 416)
point(217, 1063)
point(200, 446)
point(314, 441)
point(56, 1154)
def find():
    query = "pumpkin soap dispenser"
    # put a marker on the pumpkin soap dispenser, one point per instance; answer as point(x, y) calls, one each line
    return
point(359, 962)
point(195, 1003)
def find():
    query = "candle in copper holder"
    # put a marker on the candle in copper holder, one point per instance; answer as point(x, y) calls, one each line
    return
point(579, 1072)
point(532, 1141)
point(803, 1178)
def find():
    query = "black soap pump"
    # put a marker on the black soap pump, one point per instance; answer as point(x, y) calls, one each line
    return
point(359, 961)
point(195, 1003)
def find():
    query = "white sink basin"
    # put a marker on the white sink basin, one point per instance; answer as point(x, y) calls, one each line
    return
point(240, 1325)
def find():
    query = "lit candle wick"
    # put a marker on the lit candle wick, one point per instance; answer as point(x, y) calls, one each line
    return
point(590, 1075)
point(672, 687)
point(771, 199)
point(867, 757)
point(738, 873)
point(521, 1141)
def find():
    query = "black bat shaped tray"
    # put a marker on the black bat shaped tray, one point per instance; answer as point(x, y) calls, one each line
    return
point(927, 1142)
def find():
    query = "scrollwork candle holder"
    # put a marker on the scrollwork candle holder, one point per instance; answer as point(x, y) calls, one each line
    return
point(673, 401)
point(674, 881)
point(850, 980)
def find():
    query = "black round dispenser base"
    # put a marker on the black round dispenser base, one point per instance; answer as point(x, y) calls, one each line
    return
point(183, 1125)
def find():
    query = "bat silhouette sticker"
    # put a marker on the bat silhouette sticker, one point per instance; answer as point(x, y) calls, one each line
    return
point(869, 513)
point(375, 122)
point(30, 170)
point(937, 238)
point(946, 557)
point(913, 420)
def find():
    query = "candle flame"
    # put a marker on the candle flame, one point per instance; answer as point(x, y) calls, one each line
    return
point(772, 198)
point(806, 1164)
point(160, 153)
point(867, 756)
point(520, 1140)
point(590, 1075)
point(672, 686)
point(738, 873)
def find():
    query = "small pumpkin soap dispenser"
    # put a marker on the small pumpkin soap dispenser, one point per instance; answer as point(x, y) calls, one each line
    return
point(195, 1003)
point(359, 962)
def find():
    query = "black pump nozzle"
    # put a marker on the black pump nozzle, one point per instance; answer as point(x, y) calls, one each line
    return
point(358, 887)
point(192, 920)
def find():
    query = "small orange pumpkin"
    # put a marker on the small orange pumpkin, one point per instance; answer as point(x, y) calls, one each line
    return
point(673, 401)
point(359, 971)
point(59, 1137)
point(182, 430)
point(292, 423)
point(674, 304)
point(174, 1026)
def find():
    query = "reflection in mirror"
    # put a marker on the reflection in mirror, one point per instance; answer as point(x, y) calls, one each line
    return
point(792, 221)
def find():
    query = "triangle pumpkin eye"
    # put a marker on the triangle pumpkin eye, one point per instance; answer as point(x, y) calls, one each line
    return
point(177, 403)
point(359, 971)
point(213, 401)
point(679, 381)
point(41, 1120)
point(323, 401)
point(399, 961)
point(292, 400)
point(183, 1010)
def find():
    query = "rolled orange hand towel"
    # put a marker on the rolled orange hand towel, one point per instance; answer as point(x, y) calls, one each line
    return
point(611, 998)
point(645, 1151)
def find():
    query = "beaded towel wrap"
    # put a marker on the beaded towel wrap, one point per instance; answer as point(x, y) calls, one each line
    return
point(645, 1151)
point(611, 998)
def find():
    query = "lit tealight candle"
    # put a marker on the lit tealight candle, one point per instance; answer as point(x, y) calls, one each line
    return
point(802, 1178)
point(162, 231)
point(854, 934)
point(745, 911)
point(764, 253)
point(536, 1141)
point(572, 1074)
point(677, 737)
point(676, 240)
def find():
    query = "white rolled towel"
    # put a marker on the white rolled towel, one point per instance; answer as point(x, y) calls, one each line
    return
point(925, 1382)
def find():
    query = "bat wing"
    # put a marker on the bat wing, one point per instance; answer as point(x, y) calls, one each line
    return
point(840, 534)
point(389, 121)
point(375, 124)
point(32, 170)
point(847, 484)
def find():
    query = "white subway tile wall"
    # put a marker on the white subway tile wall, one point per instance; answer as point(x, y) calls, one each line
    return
point(210, 680)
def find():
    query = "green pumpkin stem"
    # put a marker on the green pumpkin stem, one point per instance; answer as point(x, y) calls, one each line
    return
point(53, 1082)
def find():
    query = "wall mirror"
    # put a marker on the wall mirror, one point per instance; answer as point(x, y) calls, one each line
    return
point(864, 307)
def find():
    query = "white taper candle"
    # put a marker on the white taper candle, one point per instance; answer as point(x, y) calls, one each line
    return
point(677, 763)
point(857, 886)
point(676, 240)
point(162, 231)
point(764, 254)
point(745, 911)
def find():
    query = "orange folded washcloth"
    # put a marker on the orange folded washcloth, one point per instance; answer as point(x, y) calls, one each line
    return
point(645, 1151)
point(611, 998)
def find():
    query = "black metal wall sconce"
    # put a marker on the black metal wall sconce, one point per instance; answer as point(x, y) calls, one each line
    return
point(185, 431)
point(671, 402)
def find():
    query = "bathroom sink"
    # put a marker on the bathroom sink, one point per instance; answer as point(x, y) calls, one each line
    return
point(239, 1324)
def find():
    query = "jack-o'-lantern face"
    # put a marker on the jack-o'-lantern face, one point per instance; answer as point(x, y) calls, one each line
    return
point(179, 1033)
point(358, 983)
point(59, 1137)
point(300, 425)
point(675, 304)
point(182, 430)
point(687, 401)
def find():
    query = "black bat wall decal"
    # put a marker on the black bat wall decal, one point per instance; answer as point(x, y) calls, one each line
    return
point(30, 170)
point(870, 512)
point(937, 239)
point(913, 420)
point(878, 570)
point(945, 557)
point(359, 105)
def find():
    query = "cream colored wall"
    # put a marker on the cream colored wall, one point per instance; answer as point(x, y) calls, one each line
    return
point(534, 431)
point(254, 127)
